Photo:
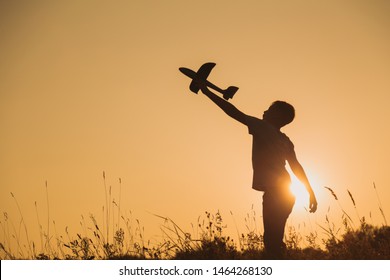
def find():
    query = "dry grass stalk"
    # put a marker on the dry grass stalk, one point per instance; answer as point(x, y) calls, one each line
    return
point(380, 204)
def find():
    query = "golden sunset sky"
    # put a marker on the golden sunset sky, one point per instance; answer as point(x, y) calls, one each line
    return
point(93, 86)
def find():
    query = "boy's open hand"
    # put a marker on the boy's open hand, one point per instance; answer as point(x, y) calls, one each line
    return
point(313, 203)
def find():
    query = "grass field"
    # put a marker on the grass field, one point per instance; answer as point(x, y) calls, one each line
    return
point(122, 237)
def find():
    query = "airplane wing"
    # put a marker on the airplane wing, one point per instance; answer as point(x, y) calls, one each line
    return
point(202, 74)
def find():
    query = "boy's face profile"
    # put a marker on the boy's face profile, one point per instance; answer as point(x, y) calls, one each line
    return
point(271, 114)
point(266, 114)
point(279, 114)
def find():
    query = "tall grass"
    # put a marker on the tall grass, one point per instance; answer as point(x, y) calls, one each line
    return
point(120, 236)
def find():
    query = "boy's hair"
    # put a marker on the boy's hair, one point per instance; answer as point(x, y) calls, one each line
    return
point(286, 111)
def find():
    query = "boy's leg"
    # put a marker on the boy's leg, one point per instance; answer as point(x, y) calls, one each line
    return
point(276, 209)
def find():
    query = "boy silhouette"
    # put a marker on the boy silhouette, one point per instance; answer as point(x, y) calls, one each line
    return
point(270, 150)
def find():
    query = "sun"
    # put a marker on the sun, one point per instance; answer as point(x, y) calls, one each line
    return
point(301, 195)
point(300, 192)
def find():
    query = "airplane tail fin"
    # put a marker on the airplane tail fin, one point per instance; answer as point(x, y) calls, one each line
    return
point(229, 92)
point(202, 74)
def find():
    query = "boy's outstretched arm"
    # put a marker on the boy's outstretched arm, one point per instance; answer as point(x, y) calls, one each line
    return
point(227, 107)
point(298, 170)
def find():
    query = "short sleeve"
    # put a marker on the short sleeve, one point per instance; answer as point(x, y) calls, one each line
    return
point(288, 144)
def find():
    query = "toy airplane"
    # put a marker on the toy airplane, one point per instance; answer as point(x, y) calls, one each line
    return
point(202, 74)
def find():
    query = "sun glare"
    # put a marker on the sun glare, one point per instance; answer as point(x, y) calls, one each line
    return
point(301, 195)
point(299, 190)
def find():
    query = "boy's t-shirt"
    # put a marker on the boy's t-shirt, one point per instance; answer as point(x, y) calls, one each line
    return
point(270, 150)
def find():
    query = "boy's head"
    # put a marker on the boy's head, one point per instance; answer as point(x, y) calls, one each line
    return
point(279, 114)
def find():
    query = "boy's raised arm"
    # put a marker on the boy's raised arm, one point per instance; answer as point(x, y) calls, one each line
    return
point(227, 107)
